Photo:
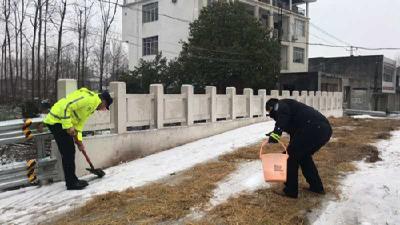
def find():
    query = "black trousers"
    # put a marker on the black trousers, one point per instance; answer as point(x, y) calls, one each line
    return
point(66, 146)
point(303, 144)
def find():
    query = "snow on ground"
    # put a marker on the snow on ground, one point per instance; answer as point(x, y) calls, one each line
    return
point(32, 205)
point(247, 178)
point(371, 195)
point(367, 117)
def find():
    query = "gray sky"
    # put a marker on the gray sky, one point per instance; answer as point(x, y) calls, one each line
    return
point(366, 23)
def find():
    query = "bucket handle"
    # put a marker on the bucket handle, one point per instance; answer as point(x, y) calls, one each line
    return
point(266, 142)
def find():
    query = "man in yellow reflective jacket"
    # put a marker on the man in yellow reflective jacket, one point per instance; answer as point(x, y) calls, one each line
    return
point(66, 120)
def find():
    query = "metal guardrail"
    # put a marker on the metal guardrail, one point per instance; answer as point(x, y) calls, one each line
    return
point(11, 131)
point(15, 174)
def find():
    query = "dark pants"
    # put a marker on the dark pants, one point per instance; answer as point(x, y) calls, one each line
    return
point(303, 144)
point(66, 147)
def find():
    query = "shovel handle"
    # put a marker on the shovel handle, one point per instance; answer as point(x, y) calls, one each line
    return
point(87, 159)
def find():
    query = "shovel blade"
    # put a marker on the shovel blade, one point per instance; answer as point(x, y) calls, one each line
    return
point(98, 172)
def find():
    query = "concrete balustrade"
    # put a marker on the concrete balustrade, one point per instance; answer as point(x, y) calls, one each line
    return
point(176, 119)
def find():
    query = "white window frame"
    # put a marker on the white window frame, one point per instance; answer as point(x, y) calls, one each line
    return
point(150, 46)
point(299, 55)
point(150, 12)
point(299, 28)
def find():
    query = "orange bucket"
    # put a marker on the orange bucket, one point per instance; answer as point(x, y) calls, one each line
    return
point(274, 165)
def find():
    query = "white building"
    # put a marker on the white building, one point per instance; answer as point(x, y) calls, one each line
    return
point(150, 26)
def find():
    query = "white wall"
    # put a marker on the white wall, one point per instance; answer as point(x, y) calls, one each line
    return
point(172, 31)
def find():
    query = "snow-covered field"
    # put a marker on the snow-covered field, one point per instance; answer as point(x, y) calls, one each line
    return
point(370, 195)
point(32, 205)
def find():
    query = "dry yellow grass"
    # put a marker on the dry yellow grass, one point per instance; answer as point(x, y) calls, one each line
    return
point(170, 200)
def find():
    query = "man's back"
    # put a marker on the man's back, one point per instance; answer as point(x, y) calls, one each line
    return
point(292, 115)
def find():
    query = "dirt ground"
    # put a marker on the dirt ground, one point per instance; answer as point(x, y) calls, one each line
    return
point(170, 200)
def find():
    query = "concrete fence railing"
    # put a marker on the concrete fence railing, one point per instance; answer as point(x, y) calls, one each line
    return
point(157, 110)
point(176, 119)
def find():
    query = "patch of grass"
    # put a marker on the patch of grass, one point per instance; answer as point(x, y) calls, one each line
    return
point(334, 159)
point(168, 201)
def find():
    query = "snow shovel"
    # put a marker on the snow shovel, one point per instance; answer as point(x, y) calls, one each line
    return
point(274, 165)
point(98, 172)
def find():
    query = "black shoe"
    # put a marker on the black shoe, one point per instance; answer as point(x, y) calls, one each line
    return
point(83, 182)
point(320, 191)
point(284, 193)
point(78, 185)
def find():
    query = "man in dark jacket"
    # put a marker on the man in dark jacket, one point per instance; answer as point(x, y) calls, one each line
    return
point(309, 130)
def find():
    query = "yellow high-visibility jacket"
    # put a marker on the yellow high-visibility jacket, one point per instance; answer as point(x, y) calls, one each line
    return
point(74, 110)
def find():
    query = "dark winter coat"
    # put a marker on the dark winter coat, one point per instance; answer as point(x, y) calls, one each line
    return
point(292, 116)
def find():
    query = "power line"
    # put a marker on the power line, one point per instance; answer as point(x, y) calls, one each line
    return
point(140, 10)
point(329, 34)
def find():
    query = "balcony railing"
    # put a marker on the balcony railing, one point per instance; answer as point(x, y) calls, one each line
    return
point(285, 5)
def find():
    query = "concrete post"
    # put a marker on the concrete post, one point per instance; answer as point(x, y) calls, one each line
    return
point(65, 86)
point(212, 92)
point(257, 12)
point(118, 108)
point(324, 100)
point(295, 96)
point(317, 100)
point(271, 22)
point(285, 94)
point(158, 91)
point(274, 94)
point(248, 92)
point(187, 91)
point(231, 92)
point(263, 95)
point(307, 10)
point(304, 96)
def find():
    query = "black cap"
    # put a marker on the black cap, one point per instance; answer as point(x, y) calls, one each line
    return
point(271, 104)
point(106, 97)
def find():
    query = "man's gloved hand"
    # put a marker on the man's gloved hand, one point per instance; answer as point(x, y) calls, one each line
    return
point(275, 135)
point(274, 138)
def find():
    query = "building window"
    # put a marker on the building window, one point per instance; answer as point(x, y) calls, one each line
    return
point(150, 12)
point(298, 55)
point(388, 74)
point(299, 28)
point(150, 46)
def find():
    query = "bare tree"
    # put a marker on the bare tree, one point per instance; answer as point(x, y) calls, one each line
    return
point(88, 10)
point(38, 64)
point(4, 69)
point(34, 24)
point(7, 13)
point(21, 19)
point(108, 10)
point(46, 14)
point(79, 14)
point(119, 61)
point(16, 33)
point(62, 12)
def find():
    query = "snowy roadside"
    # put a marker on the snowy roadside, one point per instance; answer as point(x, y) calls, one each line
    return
point(32, 205)
point(371, 195)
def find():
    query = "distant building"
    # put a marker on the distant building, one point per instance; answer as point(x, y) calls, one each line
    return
point(151, 26)
point(310, 81)
point(368, 82)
